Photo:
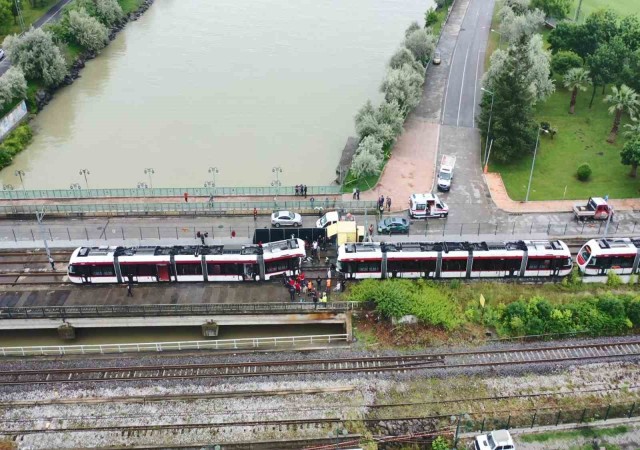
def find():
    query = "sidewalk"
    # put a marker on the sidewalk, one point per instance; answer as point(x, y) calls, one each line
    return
point(501, 198)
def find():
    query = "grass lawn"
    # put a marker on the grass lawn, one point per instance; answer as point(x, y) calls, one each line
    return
point(581, 138)
point(622, 7)
point(494, 38)
point(129, 6)
point(573, 434)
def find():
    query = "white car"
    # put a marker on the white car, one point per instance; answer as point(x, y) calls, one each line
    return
point(496, 440)
point(2, 55)
point(286, 218)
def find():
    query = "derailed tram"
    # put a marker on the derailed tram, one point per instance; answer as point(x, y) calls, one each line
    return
point(446, 260)
point(156, 264)
point(598, 257)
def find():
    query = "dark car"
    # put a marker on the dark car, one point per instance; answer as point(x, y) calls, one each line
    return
point(393, 225)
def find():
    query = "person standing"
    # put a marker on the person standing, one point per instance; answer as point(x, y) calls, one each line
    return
point(130, 289)
point(314, 250)
point(255, 214)
point(52, 263)
point(314, 297)
point(388, 203)
point(305, 191)
point(357, 193)
point(292, 294)
point(318, 283)
point(186, 197)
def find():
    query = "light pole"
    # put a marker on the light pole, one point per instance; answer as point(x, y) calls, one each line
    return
point(142, 185)
point(85, 172)
point(149, 171)
point(18, 5)
point(276, 182)
point(212, 184)
point(500, 39)
point(20, 173)
point(578, 11)
point(75, 186)
point(7, 187)
point(39, 217)
point(486, 156)
point(533, 163)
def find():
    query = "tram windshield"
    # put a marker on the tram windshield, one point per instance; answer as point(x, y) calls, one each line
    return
point(585, 253)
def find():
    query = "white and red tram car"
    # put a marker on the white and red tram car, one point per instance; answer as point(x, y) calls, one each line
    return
point(186, 263)
point(598, 257)
point(438, 260)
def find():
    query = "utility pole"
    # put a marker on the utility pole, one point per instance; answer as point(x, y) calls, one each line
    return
point(149, 171)
point(486, 143)
point(533, 163)
point(39, 217)
point(85, 172)
point(20, 173)
point(578, 11)
point(19, 16)
point(276, 182)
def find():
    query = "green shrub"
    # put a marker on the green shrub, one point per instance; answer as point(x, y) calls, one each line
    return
point(565, 60)
point(454, 284)
point(430, 17)
point(613, 279)
point(440, 443)
point(584, 172)
point(14, 143)
point(574, 278)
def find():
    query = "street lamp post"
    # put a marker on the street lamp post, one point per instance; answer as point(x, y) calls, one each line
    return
point(276, 182)
point(20, 174)
point(212, 184)
point(149, 171)
point(85, 172)
point(500, 39)
point(533, 163)
point(39, 217)
point(142, 185)
point(486, 156)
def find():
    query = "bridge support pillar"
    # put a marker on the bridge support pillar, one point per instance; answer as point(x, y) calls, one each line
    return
point(210, 329)
point(348, 325)
point(66, 332)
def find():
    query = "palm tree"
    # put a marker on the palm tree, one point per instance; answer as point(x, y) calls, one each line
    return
point(574, 80)
point(633, 128)
point(623, 99)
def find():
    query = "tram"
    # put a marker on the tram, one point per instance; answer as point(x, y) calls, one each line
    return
point(598, 257)
point(156, 264)
point(448, 260)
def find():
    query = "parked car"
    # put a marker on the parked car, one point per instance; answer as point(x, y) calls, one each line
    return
point(2, 55)
point(436, 58)
point(392, 225)
point(496, 440)
point(286, 218)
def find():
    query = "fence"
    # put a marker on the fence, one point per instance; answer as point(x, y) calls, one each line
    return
point(225, 344)
point(200, 208)
point(67, 312)
point(164, 192)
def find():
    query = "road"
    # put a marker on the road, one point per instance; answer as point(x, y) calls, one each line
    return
point(50, 15)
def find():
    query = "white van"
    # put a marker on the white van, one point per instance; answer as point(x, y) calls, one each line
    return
point(328, 219)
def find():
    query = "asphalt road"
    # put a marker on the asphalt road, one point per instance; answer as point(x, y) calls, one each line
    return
point(52, 14)
point(462, 93)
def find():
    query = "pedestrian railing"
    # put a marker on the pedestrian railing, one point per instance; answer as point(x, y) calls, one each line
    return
point(100, 311)
point(164, 192)
point(281, 342)
point(204, 207)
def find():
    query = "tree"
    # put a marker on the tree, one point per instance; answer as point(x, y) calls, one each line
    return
point(621, 100)
point(12, 86)
point(573, 37)
point(422, 43)
point(404, 86)
point(414, 26)
point(630, 155)
point(630, 71)
point(576, 80)
point(541, 84)
point(514, 26)
point(606, 64)
point(371, 145)
point(633, 129)
point(37, 55)
point(109, 12)
point(364, 164)
point(403, 56)
point(553, 8)
point(87, 31)
point(384, 123)
point(629, 32)
point(602, 25)
point(564, 60)
point(6, 12)
point(496, 67)
point(518, 6)
point(513, 128)
point(430, 17)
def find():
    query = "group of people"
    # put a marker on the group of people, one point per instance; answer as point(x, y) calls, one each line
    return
point(299, 286)
point(301, 189)
point(381, 203)
point(356, 193)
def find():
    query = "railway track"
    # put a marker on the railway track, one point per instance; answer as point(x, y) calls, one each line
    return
point(366, 365)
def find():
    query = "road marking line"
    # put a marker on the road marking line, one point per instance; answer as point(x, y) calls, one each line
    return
point(54, 14)
point(446, 90)
point(464, 70)
point(475, 89)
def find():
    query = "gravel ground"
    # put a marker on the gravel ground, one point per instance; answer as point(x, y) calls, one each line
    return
point(365, 390)
point(626, 441)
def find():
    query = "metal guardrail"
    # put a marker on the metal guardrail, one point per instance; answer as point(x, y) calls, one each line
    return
point(201, 207)
point(164, 192)
point(223, 344)
point(68, 312)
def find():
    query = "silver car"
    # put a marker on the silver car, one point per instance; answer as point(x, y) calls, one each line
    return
point(286, 218)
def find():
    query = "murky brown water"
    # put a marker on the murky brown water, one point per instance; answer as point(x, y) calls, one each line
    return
point(29, 338)
point(243, 86)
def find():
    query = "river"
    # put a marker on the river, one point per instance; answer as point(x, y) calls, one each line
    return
point(241, 86)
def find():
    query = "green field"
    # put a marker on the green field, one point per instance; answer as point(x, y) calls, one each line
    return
point(622, 7)
point(30, 16)
point(581, 138)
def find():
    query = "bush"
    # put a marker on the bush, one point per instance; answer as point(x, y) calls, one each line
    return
point(440, 3)
point(86, 30)
point(14, 143)
point(584, 172)
point(564, 61)
point(430, 17)
point(613, 279)
point(440, 443)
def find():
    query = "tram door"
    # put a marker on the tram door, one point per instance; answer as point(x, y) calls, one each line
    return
point(163, 272)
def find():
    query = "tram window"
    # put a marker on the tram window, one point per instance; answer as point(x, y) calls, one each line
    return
point(128, 270)
point(604, 262)
point(512, 264)
point(539, 264)
point(566, 263)
point(79, 271)
point(346, 267)
point(189, 269)
point(223, 269)
point(369, 266)
point(276, 266)
point(488, 265)
point(146, 270)
point(404, 266)
point(454, 265)
point(102, 271)
point(624, 262)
